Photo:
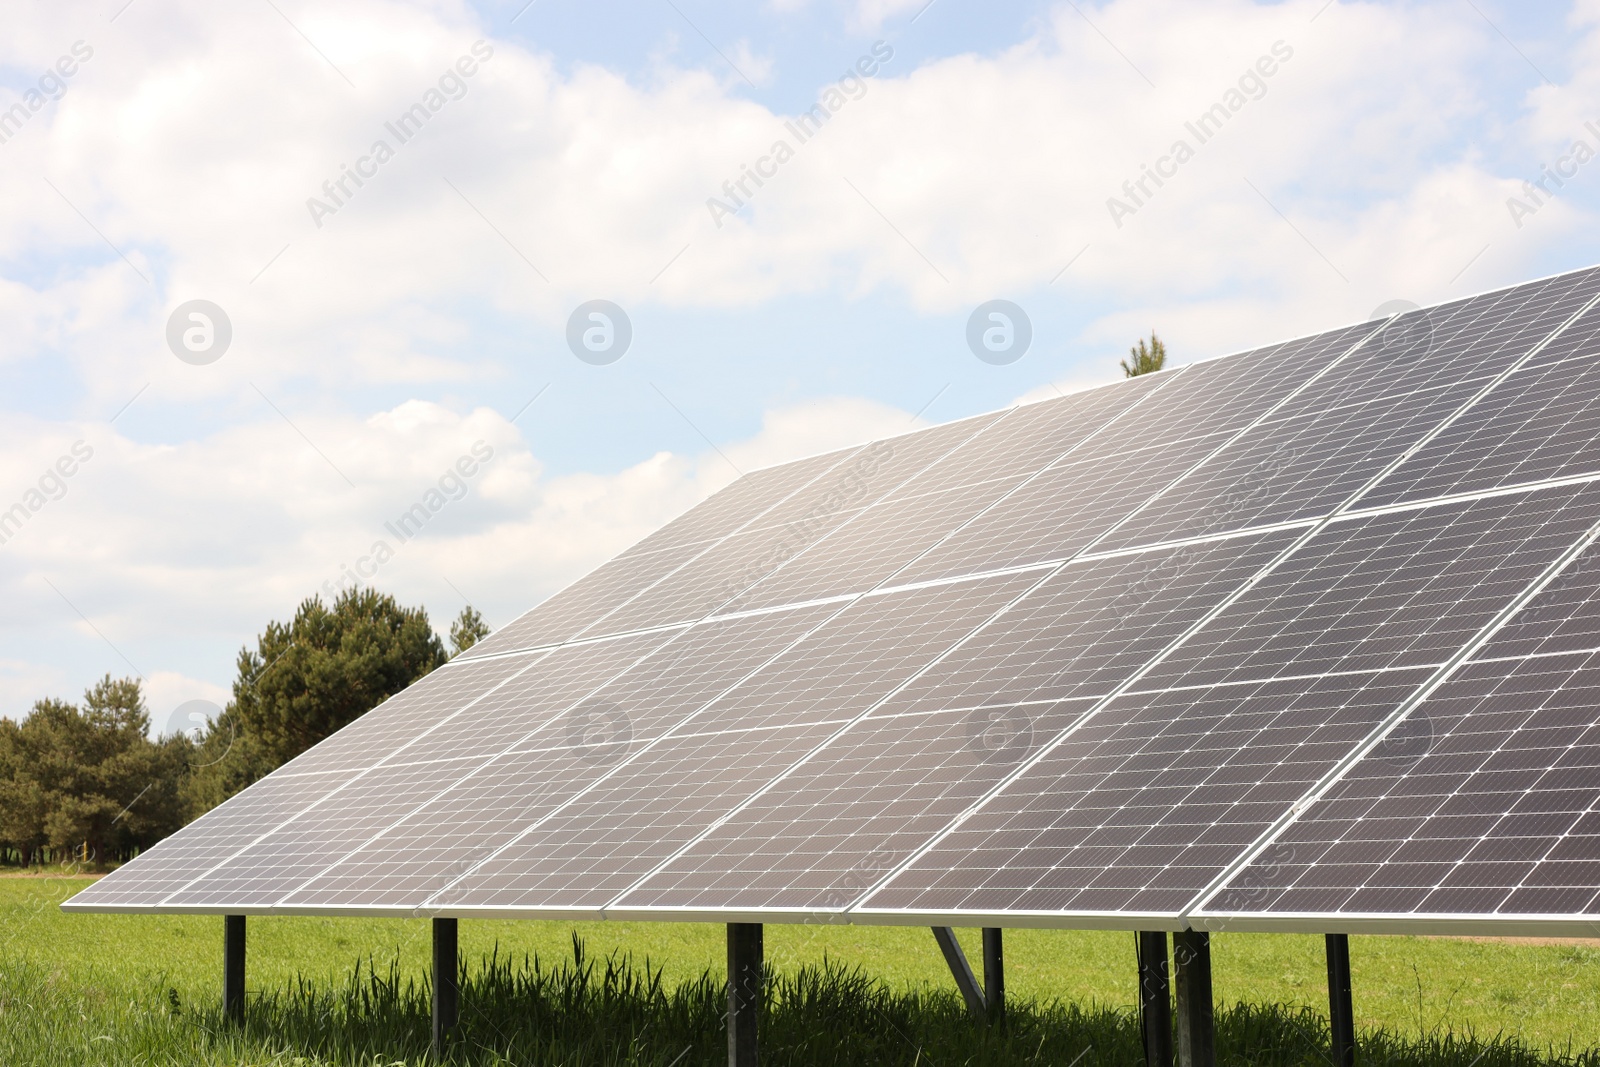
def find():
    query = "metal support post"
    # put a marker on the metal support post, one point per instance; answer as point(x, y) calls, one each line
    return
point(1191, 954)
point(1155, 997)
point(961, 970)
point(745, 978)
point(446, 983)
point(994, 975)
point(233, 967)
point(1341, 1015)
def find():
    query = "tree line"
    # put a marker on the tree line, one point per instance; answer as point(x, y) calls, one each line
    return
point(87, 782)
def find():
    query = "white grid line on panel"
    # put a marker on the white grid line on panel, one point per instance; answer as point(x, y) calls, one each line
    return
point(517, 748)
point(1575, 653)
point(988, 421)
point(1271, 566)
point(708, 545)
point(673, 736)
point(1505, 736)
point(828, 741)
point(845, 602)
point(355, 777)
point(997, 420)
point(630, 759)
point(576, 642)
point(1053, 464)
point(1354, 515)
point(389, 762)
point(1384, 729)
point(850, 600)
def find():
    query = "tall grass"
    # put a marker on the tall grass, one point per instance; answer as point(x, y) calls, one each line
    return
point(589, 1012)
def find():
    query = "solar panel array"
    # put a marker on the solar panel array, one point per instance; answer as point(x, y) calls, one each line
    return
point(1307, 637)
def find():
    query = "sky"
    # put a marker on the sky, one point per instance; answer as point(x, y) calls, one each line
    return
point(274, 272)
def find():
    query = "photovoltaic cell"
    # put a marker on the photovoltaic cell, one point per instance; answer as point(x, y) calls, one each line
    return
point(1481, 801)
point(1541, 423)
point(1149, 801)
point(1080, 499)
point(1392, 589)
point(1563, 617)
point(1033, 436)
point(747, 499)
point(1293, 468)
point(848, 816)
point(444, 838)
point(1341, 430)
point(715, 580)
point(872, 547)
point(757, 498)
point(219, 833)
point(1475, 338)
point(859, 807)
point(591, 598)
point(1060, 512)
point(374, 799)
point(1090, 626)
point(595, 848)
point(1222, 396)
point(406, 719)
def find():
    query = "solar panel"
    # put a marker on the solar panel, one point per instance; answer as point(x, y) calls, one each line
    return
point(754, 500)
point(716, 577)
point(664, 797)
point(535, 771)
point(1141, 807)
point(857, 808)
point(1542, 423)
point(1210, 644)
point(1365, 411)
point(1238, 722)
point(875, 544)
point(381, 794)
point(1483, 801)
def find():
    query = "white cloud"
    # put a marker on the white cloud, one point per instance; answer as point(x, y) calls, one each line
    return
point(948, 182)
point(996, 168)
point(872, 14)
point(176, 543)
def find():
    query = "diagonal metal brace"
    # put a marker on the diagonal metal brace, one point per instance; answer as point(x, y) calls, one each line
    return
point(962, 970)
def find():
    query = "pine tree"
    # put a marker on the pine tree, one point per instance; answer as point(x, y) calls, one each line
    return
point(468, 629)
point(1146, 359)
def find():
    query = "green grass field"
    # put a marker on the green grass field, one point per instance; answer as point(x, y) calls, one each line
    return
point(138, 989)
